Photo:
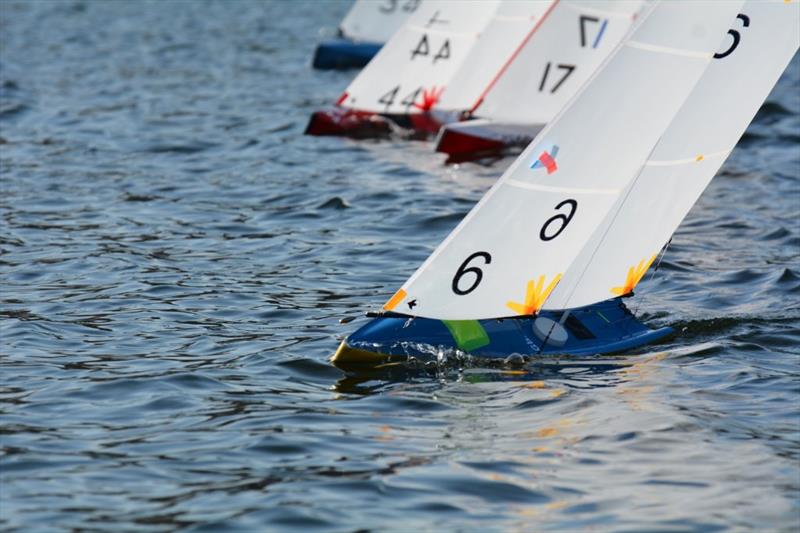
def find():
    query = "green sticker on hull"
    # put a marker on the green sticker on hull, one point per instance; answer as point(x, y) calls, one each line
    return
point(468, 334)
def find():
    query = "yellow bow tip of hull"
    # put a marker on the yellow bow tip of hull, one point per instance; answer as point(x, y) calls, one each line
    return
point(347, 356)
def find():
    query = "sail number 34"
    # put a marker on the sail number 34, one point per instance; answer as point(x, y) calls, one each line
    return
point(555, 225)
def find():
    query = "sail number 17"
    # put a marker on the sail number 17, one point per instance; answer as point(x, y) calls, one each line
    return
point(469, 275)
point(566, 69)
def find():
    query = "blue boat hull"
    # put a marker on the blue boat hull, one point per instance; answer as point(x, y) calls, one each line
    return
point(602, 328)
point(344, 54)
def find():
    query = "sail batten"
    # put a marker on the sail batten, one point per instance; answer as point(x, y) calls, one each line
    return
point(409, 74)
point(570, 42)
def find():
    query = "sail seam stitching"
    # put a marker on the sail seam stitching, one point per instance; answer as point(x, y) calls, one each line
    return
point(668, 50)
point(513, 56)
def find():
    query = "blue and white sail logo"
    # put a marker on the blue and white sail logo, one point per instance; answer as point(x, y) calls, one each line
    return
point(546, 158)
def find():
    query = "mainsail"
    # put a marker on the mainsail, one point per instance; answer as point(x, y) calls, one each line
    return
point(376, 22)
point(509, 253)
point(414, 67)
point(758, 46)
point(554, 63)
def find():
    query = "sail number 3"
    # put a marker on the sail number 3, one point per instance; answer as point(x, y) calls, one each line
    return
point(391, 5)
point(547, 233)
point(737, 37)
point(551, 229)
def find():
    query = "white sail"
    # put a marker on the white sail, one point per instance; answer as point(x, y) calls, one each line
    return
point(760, 43)
point(512, 26)
point(414, 67)
point(571, 43)
point(376, 21)
point(508, 254)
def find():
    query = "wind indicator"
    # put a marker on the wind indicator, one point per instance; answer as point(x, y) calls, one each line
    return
point(635, 275)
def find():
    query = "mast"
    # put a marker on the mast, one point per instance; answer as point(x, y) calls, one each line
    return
point(750, 59)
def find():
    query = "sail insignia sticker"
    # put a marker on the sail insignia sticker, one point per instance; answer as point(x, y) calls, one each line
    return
point(535, 296)
point(547, 159)
point(635, 275)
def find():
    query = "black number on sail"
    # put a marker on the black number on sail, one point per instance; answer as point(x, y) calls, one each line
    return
point(409, 100)
point(435, 20)
point(599, 35)
point(422, 48)
point(583, 20)
point(567, 71)
point(444, 51)
point(736, 37)
point(477, 272)
point(560, 218)
point(388, 7)
point(388, 98)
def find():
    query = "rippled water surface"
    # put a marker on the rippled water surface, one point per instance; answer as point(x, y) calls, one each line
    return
point(176, 257)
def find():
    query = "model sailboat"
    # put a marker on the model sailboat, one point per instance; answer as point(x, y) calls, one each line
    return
point(578, 218)
point(362, 32)
point(413, 71)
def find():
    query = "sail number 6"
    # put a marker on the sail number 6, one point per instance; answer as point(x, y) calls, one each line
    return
point(477, 272)
point(560, 218)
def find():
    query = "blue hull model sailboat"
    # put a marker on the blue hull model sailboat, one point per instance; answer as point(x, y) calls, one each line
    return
point(362, 33)
point(343, 53)
point(540, 264)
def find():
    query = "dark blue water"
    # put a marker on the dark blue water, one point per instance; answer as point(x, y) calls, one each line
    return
point(175, 258)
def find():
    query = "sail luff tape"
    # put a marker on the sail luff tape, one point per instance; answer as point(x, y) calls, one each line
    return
point(550, 188)
point(699, 157)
